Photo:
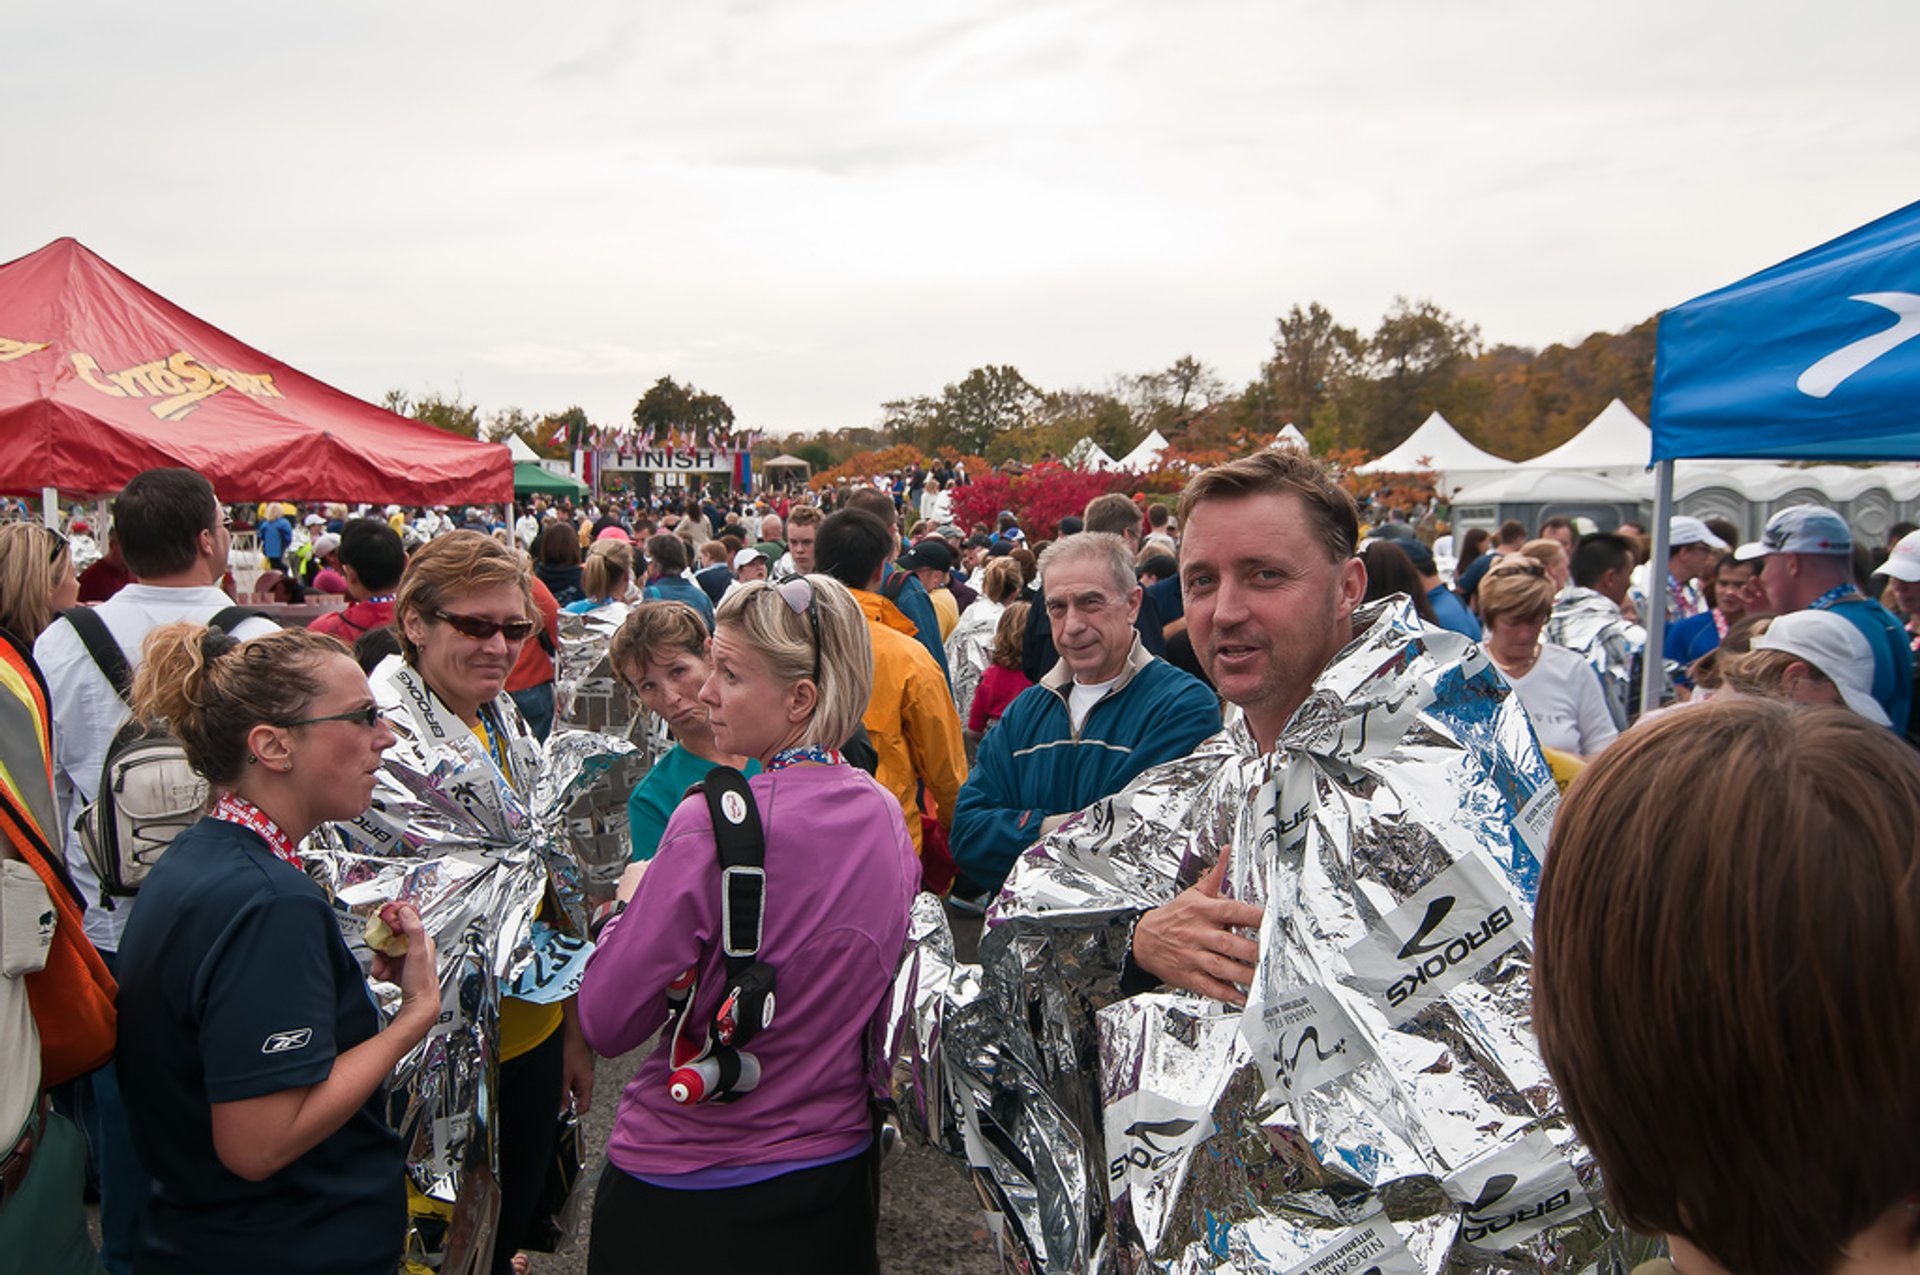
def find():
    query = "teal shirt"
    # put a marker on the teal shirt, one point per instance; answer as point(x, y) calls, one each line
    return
point(659, 795)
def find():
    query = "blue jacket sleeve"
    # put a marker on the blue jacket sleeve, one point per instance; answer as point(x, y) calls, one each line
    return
point(990, 826)
point(1189, 714)
point(918, 607)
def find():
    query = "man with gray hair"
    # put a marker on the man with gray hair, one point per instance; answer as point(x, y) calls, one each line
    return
point(1116, 515)
point(1106, 711)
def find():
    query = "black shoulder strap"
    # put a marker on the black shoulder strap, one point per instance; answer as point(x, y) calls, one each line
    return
point(106, 652)
point(742, 848)
point(894, 584)
point(227, 619)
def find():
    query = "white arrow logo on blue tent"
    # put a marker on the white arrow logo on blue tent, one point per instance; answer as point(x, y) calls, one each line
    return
point(1824, 377)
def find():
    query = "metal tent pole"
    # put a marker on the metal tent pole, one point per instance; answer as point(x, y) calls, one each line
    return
point(1653, 665)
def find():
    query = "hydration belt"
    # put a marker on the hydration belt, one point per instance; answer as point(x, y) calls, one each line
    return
point(722, 1070)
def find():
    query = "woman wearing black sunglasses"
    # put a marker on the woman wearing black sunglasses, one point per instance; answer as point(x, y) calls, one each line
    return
point(463, 611)
point(251, 1056)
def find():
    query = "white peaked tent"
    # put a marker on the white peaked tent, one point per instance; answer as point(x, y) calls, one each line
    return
point(1088, 455)
point(1615, 444)
point(1290, 436)
point(1145, 456)
point(518, 449)
point(1523, 485)
point(1438, 447)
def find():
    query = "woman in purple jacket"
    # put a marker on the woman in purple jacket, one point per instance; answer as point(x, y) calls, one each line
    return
point(778, 1177)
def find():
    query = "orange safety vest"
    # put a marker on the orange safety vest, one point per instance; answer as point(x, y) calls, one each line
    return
point(72, 998)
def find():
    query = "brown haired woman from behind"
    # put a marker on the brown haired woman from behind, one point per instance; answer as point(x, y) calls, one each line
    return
point(1727, 939)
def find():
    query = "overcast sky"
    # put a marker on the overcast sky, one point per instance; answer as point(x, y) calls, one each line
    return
point(812, 206)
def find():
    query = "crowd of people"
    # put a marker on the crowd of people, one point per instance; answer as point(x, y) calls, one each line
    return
point(867, 699)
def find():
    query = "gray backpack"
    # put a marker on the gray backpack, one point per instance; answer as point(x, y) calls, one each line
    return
point(148, 792)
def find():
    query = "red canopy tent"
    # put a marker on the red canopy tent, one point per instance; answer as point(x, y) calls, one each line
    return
point(101, 378)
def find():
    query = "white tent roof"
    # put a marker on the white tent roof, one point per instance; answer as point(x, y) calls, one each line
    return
point(1145, 456)
point(1758, 481)
point(1438, 446)
point(1761, 480)
point(1525, 486)
point(1614, 442)
point(518, 449)
point(1290, 436)
point(1088, 455)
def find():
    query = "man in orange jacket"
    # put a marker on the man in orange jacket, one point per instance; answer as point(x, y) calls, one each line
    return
point(910, 718)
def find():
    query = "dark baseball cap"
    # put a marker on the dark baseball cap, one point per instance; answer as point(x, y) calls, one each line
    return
point(931, 553)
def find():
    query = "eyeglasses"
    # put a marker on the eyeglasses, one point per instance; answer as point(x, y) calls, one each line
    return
point(798, 594)
point(368, 716)
point(60, 544)
point(480, 629)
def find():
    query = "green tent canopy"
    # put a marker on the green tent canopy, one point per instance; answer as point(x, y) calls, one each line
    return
point(529, 479)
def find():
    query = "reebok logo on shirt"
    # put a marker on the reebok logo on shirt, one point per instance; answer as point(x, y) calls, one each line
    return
point(283, 1042)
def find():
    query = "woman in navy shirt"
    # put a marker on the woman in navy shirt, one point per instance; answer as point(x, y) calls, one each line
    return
point(251, 1053)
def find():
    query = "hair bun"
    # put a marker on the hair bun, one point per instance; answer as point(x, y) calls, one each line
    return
point(216, 642)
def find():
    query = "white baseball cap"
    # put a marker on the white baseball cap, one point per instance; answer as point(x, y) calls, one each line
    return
point(1684, 529)
point(1801, 529)
point(1904, 562)
point(1836, 648)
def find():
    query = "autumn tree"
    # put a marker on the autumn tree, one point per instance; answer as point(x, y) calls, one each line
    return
point(1171, 399)
point(669, 407)
point(1412, 360)
point(1067, 416)
point(1315, 360)
point(454, 415)
point(976, 415)
point(1191, 386)
point(537, 432)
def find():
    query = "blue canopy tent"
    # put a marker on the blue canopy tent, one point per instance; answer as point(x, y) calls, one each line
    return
point(1812, 359)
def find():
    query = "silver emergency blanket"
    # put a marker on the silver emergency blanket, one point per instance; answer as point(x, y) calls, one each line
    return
point(970, 650)
point(589, 696)
point(448, 833)
point(1591, 626)
point(586, 693)
point(1379, 1104)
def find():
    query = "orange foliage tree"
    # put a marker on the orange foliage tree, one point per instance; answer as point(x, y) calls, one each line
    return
point(868, 464)
point(1400, 491)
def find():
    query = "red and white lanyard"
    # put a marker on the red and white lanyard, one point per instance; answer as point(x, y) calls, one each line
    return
point(243, 812)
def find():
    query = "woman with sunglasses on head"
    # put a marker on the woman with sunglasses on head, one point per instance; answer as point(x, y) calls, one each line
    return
point(37, 581)
point(780, 1177)
point(1559, 690)
point(660, 651)
point(463, 612)
point(251, 1055)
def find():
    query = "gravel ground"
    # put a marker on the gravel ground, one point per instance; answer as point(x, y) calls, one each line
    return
point(929, 1215)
